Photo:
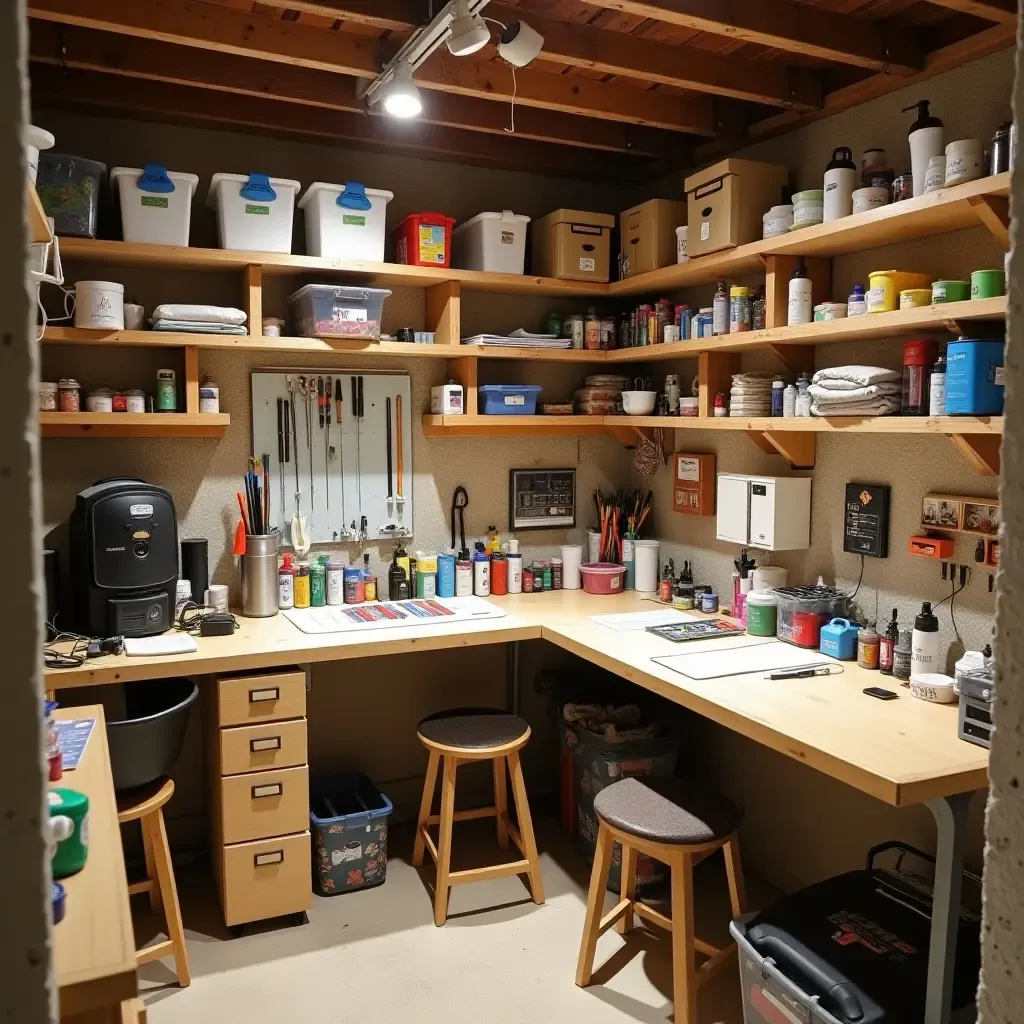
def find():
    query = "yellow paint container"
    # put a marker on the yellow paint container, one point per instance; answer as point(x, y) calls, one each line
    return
point(913, 297)
point(884, 287)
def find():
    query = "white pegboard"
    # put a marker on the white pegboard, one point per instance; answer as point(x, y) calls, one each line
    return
point(360, 449)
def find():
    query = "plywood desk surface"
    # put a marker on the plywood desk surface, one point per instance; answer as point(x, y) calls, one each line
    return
point(94, 946)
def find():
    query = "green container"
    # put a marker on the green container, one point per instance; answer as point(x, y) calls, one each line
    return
point(762, 613)
point(317, 585)
point(166, 391)
point(987, 284)
point(69, 817)
point(950, 291)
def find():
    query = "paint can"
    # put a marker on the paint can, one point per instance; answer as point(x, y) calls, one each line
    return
point(709, 603)
point(99, 305)
point(515, 572)
point(166, 391)
point(463, 578)
point(335, 582)
point(446, 575)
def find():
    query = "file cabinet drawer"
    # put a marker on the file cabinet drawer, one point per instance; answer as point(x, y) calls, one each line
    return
point(257, 748)
point(245, 700)
point(258, 805)
point(266, 878)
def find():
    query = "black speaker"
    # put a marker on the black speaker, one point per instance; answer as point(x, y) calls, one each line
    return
point(195, 566)
point(51, 577)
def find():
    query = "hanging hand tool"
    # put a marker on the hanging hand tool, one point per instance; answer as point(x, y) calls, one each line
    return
point(399, 495)
point(362, 527)
point(282, 455)
point(310, 393)
point(320, 400)
point(344, 533)
point(357, 412)
point(327, 441)
point(266, 492)
point(387, 434)
point(299, 527)
point(460, 502)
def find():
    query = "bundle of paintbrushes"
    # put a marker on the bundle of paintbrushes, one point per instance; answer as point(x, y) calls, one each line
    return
point(619, 515)
point(255, 504)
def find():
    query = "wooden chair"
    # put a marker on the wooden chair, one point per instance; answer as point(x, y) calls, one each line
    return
point(677, 823)
point(145, 805)
point(454, 738)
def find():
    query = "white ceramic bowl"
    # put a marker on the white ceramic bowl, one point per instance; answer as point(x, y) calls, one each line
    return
point(639, 403)
point(934, 687)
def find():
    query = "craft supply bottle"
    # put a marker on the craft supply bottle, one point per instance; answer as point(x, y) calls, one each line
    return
point(463, 578)
point(902, 654)
point(515, 572)
point(665, 591)
point(720, 407)
point(758, 309)
point(354, 586)
point(937, 389)
point(857, 302)
point(481, 571)
point(413, 576)
point(446, 574)
point(887, 646)
point(402, 558)
point(166, 391)
point(286, 584)
point(672, 392)
point(789, 401)
point(317, 585)
point(720, 310)
point(335, 583)
point(868, 647)
point(396, 576)
point(924, 656)
point(556, 574)
point(915, 390)
point(301, 590)
point(840, 181)
point(778, 403)
point(739, 309)
point(369, 581)
point(801, 306)
point(499, 574)
point(926, 140)
point(527, 580)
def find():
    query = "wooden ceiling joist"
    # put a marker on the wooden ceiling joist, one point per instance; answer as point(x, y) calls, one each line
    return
point(205, 26)
point(788, 25)
point(1003, 12)
point(391, 15)
point(90, 50)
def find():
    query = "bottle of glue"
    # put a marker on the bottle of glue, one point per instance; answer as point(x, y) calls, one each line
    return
point(924, 643)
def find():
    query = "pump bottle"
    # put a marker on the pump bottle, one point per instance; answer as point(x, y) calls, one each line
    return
point(926, 140)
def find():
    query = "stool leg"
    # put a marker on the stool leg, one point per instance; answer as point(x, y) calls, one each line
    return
point(426, 802)
point(684, 979)
point(627, 887)
point(595, 904)
point(501, 800)
point(734, 871)
point(155, 899)
point(165, 875)
point(526, 826)
point(444, 841)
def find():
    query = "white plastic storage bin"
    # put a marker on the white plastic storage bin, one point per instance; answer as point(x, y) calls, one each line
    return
point(254, 211)
point(156, 204)
point(345, 222)
point(495, 242)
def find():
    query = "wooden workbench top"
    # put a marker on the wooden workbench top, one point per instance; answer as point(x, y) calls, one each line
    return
point(94, 946)
point(902, 752)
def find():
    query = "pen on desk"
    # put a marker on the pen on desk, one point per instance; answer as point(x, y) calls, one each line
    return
point(804, 673)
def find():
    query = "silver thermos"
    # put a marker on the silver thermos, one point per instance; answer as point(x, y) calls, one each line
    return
point(260, 575)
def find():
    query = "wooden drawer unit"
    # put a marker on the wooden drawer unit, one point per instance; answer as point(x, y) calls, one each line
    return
point(246, 700)
point(258, 805)
point(266, 878)
point(257, 748)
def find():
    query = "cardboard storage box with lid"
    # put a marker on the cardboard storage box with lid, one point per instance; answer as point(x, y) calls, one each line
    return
point(727, 201)
point(647, 236)
point(573, 245)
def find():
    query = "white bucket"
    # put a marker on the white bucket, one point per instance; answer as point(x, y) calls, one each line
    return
point(345, 222)
point(869, 198)
point(767, 577)
point(682, 244)
point(156, 204)
point(35, 140)
point(254, 211)
point(645, 566)
point(493, 242)
point(99, 305)
point(963, 161)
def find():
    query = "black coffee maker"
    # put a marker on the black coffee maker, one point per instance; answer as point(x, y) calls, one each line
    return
point(123, 537)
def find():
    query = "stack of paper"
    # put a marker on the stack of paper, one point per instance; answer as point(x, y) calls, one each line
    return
point(520, 339)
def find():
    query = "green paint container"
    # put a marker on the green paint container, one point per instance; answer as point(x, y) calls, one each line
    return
point(987, 284)
point(950, 291)
point(762, 613)
point(69, 817)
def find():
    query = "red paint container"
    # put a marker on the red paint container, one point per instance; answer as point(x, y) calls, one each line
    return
point(499, 574)
point(602, 577)
point(424, 240)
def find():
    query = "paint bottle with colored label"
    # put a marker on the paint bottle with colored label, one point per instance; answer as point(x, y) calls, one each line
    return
point(301, 593)
point(499, 574)
point(286, 584)
point(317, 585)
point(446, 574)
point(481, 571)
point(463, 578)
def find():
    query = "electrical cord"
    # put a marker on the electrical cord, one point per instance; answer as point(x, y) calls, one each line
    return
point(860, 580)
point(951, 598)
point(192, 615)
point(53, 657)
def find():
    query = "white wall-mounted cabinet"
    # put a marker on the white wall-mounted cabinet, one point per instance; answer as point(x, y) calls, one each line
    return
point(768, 512)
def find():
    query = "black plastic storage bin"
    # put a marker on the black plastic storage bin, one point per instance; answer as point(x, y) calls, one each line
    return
point(146, 742)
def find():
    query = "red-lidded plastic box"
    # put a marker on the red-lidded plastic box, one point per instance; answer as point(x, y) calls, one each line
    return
point(424, 240)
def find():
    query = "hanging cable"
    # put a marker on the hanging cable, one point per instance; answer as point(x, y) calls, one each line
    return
point(511, 129)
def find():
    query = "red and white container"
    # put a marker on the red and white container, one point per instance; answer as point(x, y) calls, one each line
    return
point(602, 577)
point(424, 240)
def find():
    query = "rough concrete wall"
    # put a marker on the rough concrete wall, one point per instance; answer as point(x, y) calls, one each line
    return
point(1001, 998)
point(26, 994)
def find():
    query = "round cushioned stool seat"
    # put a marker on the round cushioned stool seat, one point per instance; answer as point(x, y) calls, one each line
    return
point(473, 728)
point(668, 810)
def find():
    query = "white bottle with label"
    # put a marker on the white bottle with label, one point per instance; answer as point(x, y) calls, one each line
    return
point(937, 389)
point(926, 140)
point(840, 181)
point(924, 644)
point(801, 306)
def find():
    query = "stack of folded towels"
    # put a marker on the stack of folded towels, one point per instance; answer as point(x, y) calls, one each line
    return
point(197, 319)
point(855, 391)
point(751, 393)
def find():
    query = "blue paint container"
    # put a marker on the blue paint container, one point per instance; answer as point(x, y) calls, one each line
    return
point(446, 575)
point(839, 639)
point(974, 378)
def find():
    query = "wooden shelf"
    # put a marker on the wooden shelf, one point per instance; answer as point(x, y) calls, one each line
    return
point(38, 222)
point(128, 424)
point(522, 426)
point(992, 425)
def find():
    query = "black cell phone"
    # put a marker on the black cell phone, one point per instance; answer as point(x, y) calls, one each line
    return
point(877, 691)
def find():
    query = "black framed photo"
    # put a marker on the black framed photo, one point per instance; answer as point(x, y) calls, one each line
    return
point(541, 499)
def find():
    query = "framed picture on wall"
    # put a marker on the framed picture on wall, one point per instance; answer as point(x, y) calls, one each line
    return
point(941, 512)
point(541, 499)
point(981, 517)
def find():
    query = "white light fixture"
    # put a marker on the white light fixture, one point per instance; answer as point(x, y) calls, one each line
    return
point(519, 44)
point(401, 98)
point(468, 33)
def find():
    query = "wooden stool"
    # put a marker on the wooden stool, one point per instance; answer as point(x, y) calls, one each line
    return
point(677, 823)
point(475, 734)
point(145, 805)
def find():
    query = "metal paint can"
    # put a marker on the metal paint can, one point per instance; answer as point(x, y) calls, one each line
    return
point(709, 603)
point(355, 590)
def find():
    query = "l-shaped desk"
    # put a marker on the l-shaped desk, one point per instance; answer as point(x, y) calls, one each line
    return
point(901, 752)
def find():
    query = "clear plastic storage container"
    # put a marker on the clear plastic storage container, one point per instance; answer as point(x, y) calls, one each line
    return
point(336, 311)
point(492, 242)
point(69, 189)
point(156, 204)
point(804, 610)
point(254, 211)
point(345, 222)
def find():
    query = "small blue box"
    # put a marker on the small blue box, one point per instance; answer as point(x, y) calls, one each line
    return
point(974, 378)
point(508, 399)
point(839, 639)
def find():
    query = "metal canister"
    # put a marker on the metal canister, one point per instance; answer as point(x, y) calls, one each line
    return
point(1001, 148)
point(260, 581)
point(901, 656)
point(573, 328)
point(608, 324)
point(167, 392)
point(463, 578)
point(528, 580)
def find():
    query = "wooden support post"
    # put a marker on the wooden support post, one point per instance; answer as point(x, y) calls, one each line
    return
point(192, 378)
point(778, 271)
point(444, 313)
point(795, 447)
point(994, 213)
point(980, 450)
point(464, 370)
point(796, 358)
point(714, 374)
point(254, 299)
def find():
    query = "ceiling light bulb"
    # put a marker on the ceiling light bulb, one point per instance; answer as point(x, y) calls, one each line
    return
point(468, 33)
point(401, 97)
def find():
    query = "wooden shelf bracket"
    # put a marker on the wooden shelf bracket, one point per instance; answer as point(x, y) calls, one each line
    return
point(994, 213)
point(796, 358)
point(796, 448)
point(980, 450)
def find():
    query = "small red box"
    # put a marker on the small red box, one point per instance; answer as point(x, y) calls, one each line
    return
point(424, 240)
point(931, 547)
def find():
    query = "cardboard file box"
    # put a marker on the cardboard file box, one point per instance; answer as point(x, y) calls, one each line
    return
point(647, 236)
point(573, 245)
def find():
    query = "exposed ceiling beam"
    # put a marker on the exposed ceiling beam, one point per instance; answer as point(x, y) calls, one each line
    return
point(396, 15)
point(90, 50)
point(179, 104)
point(788, 25)
point(1003, 12)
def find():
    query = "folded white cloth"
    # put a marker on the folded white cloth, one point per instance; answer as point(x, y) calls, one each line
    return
point(828, 396)
point(860, 375)
point(200, 313)
point(883, 406)
point(197, 327)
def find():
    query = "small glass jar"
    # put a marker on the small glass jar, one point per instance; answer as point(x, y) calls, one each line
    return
point(135, 401)
point(69, 395)
point(556, 574)
point(739, 309)
point(100, 400)
point(48, 396)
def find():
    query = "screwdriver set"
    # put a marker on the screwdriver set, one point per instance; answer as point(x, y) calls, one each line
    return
point(343, 454)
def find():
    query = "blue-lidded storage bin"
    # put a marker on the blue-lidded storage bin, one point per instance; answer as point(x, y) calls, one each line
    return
point(509, 399)
point(974, 378)
point(348, 816)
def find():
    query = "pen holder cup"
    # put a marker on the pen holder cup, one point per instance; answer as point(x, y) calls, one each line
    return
point(260, 576)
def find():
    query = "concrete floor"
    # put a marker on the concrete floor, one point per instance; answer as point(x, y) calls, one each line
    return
point(377, 952)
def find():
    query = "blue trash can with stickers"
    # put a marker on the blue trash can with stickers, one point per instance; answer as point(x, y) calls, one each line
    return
point(348, 819)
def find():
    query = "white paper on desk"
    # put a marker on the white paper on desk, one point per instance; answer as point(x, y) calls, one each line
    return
point(628, 622)
point(771, 656)
point(335, 618)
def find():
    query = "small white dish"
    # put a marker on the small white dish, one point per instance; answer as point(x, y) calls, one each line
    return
point(934, 687)
point(639, 403)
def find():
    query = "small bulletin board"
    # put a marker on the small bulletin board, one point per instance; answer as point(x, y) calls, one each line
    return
point(541, 499)
point(693, 486)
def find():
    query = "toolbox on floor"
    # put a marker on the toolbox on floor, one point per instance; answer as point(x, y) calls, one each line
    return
point(348, 817)
point(850, 950)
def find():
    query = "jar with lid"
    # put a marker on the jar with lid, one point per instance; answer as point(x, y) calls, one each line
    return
point(917, 358)
point(48, 396)
point(135, 401)
point(572, 328)
point(166, 391)
point(739, 309)
point(758, 309)
point(100, 400)
point(69, 398)
point(592, 330)
point(607, 333)
point(868, 646)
